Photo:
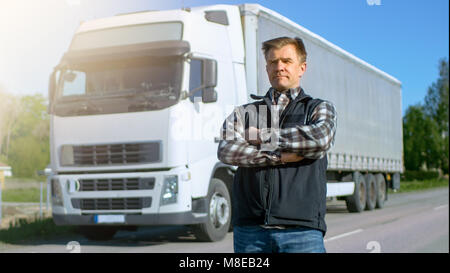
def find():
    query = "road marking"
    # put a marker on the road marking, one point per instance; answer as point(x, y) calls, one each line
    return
point(343, 235)
point(441, 207)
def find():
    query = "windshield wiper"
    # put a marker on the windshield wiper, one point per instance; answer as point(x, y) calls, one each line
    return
point(86, 108)
point(151, 100)
point(145, 104)
point(154, 94)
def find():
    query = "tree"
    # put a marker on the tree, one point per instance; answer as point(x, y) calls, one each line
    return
point(9, 111)
point(29, 147)
point(436, 100)
point(437, 106)
point(420, 139)
point(426, 127)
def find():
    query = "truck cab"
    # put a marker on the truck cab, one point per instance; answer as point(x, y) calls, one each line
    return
point(136, 106)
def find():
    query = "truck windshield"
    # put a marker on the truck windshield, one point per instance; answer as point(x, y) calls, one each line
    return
point(155, 82)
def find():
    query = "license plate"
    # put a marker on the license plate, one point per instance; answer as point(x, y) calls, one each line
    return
point(109, 219)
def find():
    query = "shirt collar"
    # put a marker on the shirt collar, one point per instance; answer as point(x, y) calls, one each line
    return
point(291, 92)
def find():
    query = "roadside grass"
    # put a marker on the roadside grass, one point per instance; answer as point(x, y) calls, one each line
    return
point(24, 195)
point(31, 228)
point(420, 185)
point(25, 180)
point(28, 230)
point(24, 190)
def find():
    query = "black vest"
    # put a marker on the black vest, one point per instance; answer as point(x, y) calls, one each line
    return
point(288, 194)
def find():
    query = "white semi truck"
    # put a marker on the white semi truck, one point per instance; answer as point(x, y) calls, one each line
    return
point(138, 100)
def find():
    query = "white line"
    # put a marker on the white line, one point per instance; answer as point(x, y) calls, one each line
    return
point(440, 207)
point(343, 235)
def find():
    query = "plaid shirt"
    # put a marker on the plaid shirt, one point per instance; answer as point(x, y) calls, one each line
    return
point(309, 141)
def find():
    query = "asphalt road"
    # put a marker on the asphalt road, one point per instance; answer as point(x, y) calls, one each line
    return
point(409, 223)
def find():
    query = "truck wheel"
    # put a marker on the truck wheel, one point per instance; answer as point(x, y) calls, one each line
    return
point(357, 201)
point(371, 190)
point(219, 214)
point(381, 190)
point(98, 233)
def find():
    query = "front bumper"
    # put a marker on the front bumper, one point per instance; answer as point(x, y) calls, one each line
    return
point(182, 218)
point(106, 201)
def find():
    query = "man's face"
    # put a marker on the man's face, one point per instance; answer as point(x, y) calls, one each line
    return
point(284, 68)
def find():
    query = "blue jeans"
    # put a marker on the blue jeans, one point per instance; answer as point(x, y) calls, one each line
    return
point(256, 239)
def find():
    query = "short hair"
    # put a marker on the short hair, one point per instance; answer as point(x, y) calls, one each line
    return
point(278, 43)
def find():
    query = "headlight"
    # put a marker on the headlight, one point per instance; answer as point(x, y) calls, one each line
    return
point(67, 158)
point(57, 198)
point(169, 191)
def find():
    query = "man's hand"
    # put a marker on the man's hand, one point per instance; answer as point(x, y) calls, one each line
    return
point(290, 157)
point(252, 136)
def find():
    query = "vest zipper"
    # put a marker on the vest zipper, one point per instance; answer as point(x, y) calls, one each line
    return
point(284, 113)
point(265, 196)
point(262, 188)
point(272, 176)
point(271, 171)
point(269, 196)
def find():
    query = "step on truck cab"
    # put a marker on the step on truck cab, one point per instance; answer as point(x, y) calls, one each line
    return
point(138, 100)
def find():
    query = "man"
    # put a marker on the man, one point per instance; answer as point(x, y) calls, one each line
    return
point(280, 144)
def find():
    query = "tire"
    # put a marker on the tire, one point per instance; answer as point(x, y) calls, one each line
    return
point(357, 201)
point(381, 191)
point(219, 214)
point(371, 190)
point(98, 233)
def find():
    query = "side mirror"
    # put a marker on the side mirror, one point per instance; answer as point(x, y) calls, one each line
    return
point(209, 81)
point(69, 76)
point(209, 95)
point(209, 73)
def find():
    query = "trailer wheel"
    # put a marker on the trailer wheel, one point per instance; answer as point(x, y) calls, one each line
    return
point(371, 190)
point(381, 190)
point(357, 201)
point(98, 233)
point(219, 213)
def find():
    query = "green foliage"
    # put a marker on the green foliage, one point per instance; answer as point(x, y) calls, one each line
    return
point(420, 175)
point(26, 144)
point(437, 100)
point(24, 195)
point(420, 139)
point(420, 185)
point(426, 127)
point(28, 155)
point(437, 107)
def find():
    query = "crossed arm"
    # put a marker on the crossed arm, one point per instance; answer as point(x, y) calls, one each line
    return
point(238, 147)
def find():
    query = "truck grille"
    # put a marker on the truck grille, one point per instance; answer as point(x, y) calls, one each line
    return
point(112, 203)
point(126, 153)
point(117, 184)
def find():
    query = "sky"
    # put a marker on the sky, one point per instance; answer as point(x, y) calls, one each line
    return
point(404, 38)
